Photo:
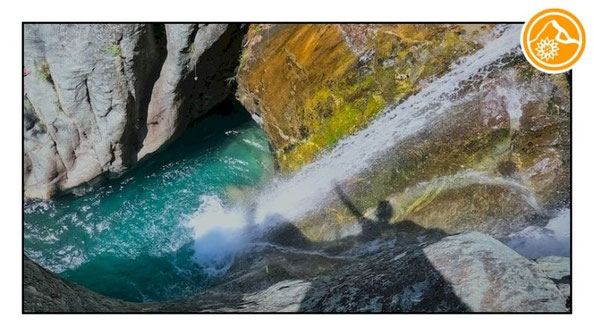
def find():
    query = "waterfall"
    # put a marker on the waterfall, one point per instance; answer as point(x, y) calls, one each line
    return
point(291, 198)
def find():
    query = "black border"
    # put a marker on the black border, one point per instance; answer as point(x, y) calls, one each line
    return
point(23, 312)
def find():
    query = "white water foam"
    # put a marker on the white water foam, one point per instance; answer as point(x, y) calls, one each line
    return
point(218, 230)
point(551, 240)
point(305, 191)
point(217, 235)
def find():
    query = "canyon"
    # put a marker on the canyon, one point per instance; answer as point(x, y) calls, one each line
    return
point(415, 165)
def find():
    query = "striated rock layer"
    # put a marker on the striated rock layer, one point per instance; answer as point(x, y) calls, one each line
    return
point(100, 97)
point(312, 84)
point(496, 160)
point(412, 271)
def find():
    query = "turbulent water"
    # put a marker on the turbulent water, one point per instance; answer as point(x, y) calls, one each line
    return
point(293, 197)
point(551, 240)
point(128, 238)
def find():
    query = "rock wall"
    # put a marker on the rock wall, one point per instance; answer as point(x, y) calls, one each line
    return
point(100, 97)
point(497, 159)
point(312, 84)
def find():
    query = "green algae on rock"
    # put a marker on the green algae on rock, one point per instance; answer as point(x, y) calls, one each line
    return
point(496, 161)
point(314, 84)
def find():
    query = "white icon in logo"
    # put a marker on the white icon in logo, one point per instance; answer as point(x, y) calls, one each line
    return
point(547, 49)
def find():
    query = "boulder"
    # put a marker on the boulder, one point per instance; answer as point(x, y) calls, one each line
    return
point(489, 277)
point(468, 272)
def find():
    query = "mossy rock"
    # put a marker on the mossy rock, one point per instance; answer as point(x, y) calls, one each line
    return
point(479, 166)
point(495, 161)
point(313, 84)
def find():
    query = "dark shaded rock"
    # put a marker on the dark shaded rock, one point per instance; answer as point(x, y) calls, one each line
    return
point(45, 292)
point(466, 272)
point(409, 272)
point(286, 234)
point(197, 73)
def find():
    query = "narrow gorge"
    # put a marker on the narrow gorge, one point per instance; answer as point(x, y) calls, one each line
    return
point(293, 168)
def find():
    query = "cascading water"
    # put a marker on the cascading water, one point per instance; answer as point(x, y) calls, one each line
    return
point(294, 197)
point(140, 237)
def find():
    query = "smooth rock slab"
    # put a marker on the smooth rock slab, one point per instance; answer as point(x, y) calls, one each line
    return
point(554, 267)
point(558, 269)
point(488, 276)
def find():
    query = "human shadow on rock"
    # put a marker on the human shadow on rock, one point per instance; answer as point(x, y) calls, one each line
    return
point(389, 271)
point(383, 269)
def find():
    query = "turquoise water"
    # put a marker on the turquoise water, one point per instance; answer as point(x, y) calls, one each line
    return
point(127, 239)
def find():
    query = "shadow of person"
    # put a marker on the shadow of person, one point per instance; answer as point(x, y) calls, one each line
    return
point(284, 233)
point(274, 229)
point(397, 277)
point(370, 228)
point(389, 274)
point(384, 269)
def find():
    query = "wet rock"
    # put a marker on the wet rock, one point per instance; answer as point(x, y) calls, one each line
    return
point(313, 84)
point(88, 107)
point(472, 167)
point(496, 160)
point(460, 273)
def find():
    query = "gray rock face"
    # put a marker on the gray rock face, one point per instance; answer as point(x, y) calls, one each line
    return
point(554, 267)
point(45, 292)
point(488, 277)
point(466, 272)
point(558, 269)
point(100, 97)
point(193, 67)
point(417, 271)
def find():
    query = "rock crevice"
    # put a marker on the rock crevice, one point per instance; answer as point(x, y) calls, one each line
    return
point(95, 94)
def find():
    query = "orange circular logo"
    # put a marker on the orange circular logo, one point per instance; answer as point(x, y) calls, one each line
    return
point(553, 40)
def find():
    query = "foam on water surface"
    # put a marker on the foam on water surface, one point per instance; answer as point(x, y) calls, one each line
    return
point(128, 238)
